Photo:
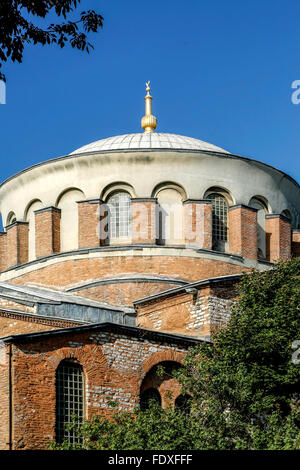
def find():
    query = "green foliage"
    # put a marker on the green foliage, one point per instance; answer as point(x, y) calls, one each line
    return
point(17, 29)
point(151, 429)
point(245, 386)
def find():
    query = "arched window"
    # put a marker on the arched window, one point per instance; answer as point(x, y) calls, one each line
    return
point(262, 210)
point(119, 206)
point(67, 203)
point(219, 221)
point(151, 394)
point(183, 403)
point(170, 214)
point(69, 399)
point(30, 218)
point(11, 218)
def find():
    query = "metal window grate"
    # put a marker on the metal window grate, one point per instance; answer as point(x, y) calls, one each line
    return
point(120, 215)
point(219, 217)
point(69, 400)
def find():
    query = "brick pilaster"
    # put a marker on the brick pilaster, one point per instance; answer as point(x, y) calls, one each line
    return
point(296, 243)
point(197, 215)
point(144, 211)
point(47, 231)
point(243, 231)
point(17, 243)
point(279, 237)
point(92, 223)
point(3, 251)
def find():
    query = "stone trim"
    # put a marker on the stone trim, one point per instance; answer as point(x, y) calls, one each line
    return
point(278, 216)
point(15, 224)
point(34, 318)
point(144, 199)
point(242, 206)
point(47, 209)
point(126, 280)
point(197, 201)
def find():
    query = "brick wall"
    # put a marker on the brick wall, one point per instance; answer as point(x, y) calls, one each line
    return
point(114, 365)
point(89, 218)
point(279, 237)
point(193, 311)
point(17, 243)
point(243, 231)
point(144, 212)
point(74, 272)
point(3, 251)
point(47, 231)
point(198, 223)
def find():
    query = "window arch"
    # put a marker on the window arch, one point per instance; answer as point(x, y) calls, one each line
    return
point(69, 399)
point(67, 203)
point(148, 396)
point(170, 197)
point(30, 218)
point(287, 214)
point(11, 218)
point(119, 207)
point(183, 403)
point(219, 221)
point(262, 209)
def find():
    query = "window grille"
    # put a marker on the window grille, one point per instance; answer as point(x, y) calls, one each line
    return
point(120, 215)
point(219, 217)
point(69, 400)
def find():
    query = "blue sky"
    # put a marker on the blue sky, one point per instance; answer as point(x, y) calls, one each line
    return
point(220, 71)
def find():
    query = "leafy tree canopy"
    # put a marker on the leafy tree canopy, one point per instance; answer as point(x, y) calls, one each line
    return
point(17, 27)
point(244, 386)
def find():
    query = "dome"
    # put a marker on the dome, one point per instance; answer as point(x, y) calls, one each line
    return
point(148, 141)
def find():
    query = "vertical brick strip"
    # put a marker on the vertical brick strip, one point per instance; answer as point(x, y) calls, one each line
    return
point(47, 231)
point(17, 243)
point(198, 223)
point(144, 220)
point(295, 243)
point(3, 251)
point(279, 237)
point(90, 218)
point(243, 231)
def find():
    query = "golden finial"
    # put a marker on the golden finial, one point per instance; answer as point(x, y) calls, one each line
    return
point(149, 121)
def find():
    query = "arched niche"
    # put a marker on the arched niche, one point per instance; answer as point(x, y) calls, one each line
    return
point(29, 217)
point(262, 206)
point(67, 203)
point(161, 379)
point(11, 218)
point(170, 197)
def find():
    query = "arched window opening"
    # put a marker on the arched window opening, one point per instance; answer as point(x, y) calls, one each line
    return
point(11, 218)
point(170, 216)
point(183, 403)
point(30, 218)
point(69, 400)
point(148, 396)
point(219, 221)
point(119, 206)
point(67, 203)
point(287, 214)
point(262, 210)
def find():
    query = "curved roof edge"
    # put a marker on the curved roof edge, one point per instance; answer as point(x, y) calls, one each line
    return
point(208, 152)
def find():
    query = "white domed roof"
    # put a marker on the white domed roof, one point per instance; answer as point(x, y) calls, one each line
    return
point(148, 141)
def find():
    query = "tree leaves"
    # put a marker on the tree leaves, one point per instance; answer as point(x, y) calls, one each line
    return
point(16, 29)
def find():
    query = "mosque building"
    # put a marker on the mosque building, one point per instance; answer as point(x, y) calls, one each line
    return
point(119, 257)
